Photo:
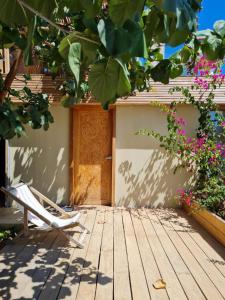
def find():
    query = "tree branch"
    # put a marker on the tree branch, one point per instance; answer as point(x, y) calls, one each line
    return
point(12, 74)
point(35, 12)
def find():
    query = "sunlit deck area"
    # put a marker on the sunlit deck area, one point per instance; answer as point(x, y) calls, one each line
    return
point(125, 254)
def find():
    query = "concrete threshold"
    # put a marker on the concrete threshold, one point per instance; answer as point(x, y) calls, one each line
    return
point(10, 217)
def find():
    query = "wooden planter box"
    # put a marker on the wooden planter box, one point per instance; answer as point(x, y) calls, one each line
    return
point(210, 221)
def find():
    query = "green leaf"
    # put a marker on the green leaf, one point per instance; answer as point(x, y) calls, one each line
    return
point(122, 10)
point(161, 72)
point(152, 22)
point(116, 40)
point(178, 18)
point(27, 54)
point(90, 7)
point(12, 12)
point(219, 27)
point(108, 79)
point(211, 44)
point(127, 39)
point(124, 86)
point(175, 71)
point(74, 58)
point(89, 44)
point(138, 46)
point(185, 54)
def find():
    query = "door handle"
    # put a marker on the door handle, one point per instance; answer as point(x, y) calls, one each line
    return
point(108, 157)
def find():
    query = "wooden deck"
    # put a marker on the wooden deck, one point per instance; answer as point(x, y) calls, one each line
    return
point(126, 252)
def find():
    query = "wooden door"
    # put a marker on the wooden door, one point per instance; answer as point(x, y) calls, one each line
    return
point(92, 155)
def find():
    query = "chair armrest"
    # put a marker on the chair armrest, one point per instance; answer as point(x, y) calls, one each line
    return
point(51, 203)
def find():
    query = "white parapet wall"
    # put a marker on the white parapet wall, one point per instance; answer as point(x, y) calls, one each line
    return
point(42, 158)
point(144, 171)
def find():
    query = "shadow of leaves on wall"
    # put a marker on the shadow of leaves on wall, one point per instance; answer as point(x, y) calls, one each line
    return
point(154, 184)
point(30, 166)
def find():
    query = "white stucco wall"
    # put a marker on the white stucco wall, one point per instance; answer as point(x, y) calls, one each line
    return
point(42, 158)
point(144, 172)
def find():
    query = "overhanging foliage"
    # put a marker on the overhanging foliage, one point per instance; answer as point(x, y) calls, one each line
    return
point(112, 46)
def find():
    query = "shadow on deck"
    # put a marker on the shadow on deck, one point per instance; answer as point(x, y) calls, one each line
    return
point(126, 252)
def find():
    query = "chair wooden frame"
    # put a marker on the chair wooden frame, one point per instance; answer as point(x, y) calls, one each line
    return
point(27, 208)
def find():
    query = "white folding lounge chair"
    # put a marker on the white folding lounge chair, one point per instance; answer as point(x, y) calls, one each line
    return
point(35, 212)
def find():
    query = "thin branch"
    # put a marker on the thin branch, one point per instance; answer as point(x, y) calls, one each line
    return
point(34, 11)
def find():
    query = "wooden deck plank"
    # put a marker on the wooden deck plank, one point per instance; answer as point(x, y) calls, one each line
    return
point(126, 252)
point(139, 285)
point(148, 260)
point(213, 273)
point(10, 251)
point(188, 283)
point(8, 276)
point(54, 282)
point(212, 248)
point(121, 272)
point(24, 277)
point(207, 287)
point(104, 289)
point(173, 286)
point(44, 266)
point(71, 281)
point(89, 275)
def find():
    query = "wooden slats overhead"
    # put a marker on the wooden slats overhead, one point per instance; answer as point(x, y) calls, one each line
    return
point(40, 84)
point(159, 92)
point(45, 84)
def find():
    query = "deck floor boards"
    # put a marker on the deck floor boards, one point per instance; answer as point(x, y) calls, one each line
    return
point(125, 253)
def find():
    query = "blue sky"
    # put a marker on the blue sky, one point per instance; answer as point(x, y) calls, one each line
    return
point(212, 10)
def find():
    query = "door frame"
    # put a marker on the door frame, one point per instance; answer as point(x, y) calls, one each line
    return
point(74, 110)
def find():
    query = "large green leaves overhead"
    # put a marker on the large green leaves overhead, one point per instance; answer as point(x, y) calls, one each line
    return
point(171, 21)
point(219, 27)
point(13, 12)
point(122, 10)
point(119, 40)
point(171, 6)
point(89, 7)
point(210, 43)
point(108, 80)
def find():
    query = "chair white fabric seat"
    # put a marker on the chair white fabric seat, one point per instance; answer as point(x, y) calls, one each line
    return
point(39, 215)
point(23, 192)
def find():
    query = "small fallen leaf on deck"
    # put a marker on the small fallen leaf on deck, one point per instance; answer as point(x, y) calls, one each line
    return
point(101, 222)
point(159, 284)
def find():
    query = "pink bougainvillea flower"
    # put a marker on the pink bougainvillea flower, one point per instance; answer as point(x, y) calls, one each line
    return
point(188, 200)
point(219, 146)
point(181, 121)
point(189, 140)
point(181, 132)
point(181, 191)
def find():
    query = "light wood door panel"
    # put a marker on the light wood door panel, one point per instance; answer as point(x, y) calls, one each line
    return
point(92, 149)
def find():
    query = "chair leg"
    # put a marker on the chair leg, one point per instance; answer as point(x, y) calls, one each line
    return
point(25, 222)
point(73, 240)
point(83, 228)
point(79, 242)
